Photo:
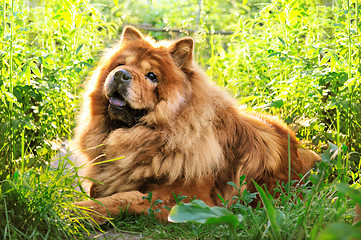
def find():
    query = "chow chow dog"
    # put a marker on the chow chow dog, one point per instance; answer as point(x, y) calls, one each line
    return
point(152, 121)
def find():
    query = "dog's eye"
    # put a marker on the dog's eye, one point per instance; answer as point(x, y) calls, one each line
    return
point(152, 77)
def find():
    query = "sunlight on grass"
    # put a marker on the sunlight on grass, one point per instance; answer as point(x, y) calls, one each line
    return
point(295, 59)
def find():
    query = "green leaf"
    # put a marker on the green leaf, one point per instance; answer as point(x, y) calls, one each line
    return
point(282, 41)
point(157, 202)
point(247, 99)
point(26, 72)
point(242, 180)
point(332, 62)
point(325, 58)
point(349, 83)
point(338, 231)
point(271, 212)
point(274, 54)
point(149, 197)
point(35, 69)
point(11, 98)
point(231, 220)
point(276, 104)
point(197, 211)
point(330, 153)
point(354, 194)
point(78, 49)
point(233, 185)
point(116, 3)
point(47, 62)
point(168, 208)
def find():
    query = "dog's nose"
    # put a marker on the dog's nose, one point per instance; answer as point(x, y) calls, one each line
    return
point(117, 83)
point(122, 76)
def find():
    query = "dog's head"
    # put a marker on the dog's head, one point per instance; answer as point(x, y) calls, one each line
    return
point(144, 80)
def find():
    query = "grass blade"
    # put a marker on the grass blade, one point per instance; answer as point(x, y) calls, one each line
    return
point(271, 213)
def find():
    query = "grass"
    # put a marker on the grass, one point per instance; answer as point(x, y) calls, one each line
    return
point(296, 59)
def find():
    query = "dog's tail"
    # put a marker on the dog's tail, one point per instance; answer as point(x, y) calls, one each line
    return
point(308, 159)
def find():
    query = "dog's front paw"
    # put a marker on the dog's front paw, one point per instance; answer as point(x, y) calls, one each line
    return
point(90, 211)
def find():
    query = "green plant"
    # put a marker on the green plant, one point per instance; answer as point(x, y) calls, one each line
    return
point(344, 230)
point(42, 65)
point(272, 215)
point(150, 210)
point(296, 59)
point(178, 198)
point(35, 204)
point(197, 211)
point(244, 196)
point(287, 61)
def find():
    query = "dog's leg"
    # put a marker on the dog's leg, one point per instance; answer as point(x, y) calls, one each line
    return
point(102, 208)
point(134, 202)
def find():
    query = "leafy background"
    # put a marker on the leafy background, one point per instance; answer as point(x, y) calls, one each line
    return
point(299, 60)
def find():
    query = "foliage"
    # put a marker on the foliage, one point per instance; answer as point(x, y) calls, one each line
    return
point(35, 204)
point(271, 213)
point(42, 64)
point(284, 217)
point(197, 211)
point(296, 59)
point(343, 230)
point(150, 210)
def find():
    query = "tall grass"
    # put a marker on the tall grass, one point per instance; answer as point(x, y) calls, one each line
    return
point(46, 53)
point(11, 87)
point(33, 205)
point(295, 59)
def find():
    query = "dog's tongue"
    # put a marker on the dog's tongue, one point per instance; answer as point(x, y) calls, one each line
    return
point(116, 102)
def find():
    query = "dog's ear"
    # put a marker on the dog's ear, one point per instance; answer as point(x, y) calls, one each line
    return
point(130, 34)
point(182, 52)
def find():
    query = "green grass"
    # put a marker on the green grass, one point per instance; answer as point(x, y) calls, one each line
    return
point(33, 205)
point(296, 59)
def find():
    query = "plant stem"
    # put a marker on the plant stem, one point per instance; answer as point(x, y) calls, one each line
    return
point(356, 8)
point(233, 232)
point(22, 152)
point(4, 15)
point(313, 196)
point(198, 20)
point(11, 90)
point(289, 165)
point(349, 74)
point(7, 227)
point(340, 173)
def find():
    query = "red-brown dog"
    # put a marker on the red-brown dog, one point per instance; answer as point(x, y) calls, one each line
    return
point(152, 121)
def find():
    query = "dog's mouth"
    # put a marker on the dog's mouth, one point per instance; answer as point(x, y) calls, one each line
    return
point(119, 109)
point(117, 102)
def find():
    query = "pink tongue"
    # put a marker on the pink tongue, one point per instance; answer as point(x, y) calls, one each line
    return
point(116, 102)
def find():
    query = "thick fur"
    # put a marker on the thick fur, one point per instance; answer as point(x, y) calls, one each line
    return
point(187, 137)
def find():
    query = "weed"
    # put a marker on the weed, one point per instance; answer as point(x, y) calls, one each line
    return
point(150, 210)
point(296, 59)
